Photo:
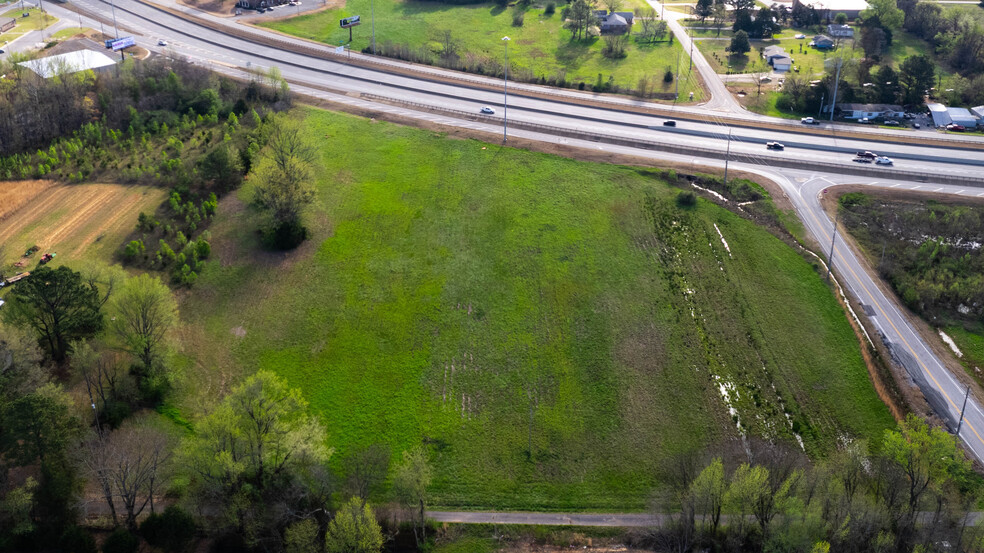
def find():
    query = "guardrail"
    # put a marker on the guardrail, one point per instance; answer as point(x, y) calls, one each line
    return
point(413, 70)
point(876, 172)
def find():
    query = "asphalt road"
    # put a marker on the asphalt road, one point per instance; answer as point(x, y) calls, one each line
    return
point(227, 54)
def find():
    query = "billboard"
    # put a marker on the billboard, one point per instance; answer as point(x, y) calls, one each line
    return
point(350, 22)
point(122, 43)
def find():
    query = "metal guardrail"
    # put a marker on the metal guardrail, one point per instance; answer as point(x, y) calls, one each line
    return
point(876, 172)
point(408, 68)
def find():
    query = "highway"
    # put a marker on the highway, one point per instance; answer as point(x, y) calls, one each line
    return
point(337, 81)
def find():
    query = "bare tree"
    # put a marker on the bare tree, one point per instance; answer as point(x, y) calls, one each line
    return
point(449, 45)
point(129, 465)
point(613, 5)
point(366, 468)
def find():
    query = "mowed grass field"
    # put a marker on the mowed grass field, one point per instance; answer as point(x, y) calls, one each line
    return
point(74, 221)
point(452, 288)
point(541, 46)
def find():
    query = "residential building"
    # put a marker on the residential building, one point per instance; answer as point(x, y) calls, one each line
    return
point(830, 8)
point(777, 58)
point(822, 42)
point(870, 111)
point(840, 31)
point(613, 24)
point(782, 63)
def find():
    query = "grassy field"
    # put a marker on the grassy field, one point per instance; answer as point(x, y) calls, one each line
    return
point(453, 287)
point(541, 47)
point(971, 345)
point(76, 221)
point(36, 20)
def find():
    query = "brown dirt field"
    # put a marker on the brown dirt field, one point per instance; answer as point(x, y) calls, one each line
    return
point(74, 219)
point(15, 194)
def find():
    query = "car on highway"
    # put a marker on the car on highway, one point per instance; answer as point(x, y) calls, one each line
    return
point(955, 127)
point(809, 121)
point(882, 160)
point(488, 110)
point(866, 154)
point(162, 42)
point(775, 146)
point(669, 123)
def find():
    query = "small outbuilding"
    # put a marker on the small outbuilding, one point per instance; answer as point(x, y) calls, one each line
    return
point(7, 23)
point(840, 31)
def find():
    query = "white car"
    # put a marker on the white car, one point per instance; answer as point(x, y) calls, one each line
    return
point(488, 110)
point(882, 160)
point(800, 36)
point(162, 42)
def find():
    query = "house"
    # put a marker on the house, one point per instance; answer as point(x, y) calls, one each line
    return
point(71, 62)
point(782, 63)
point(7, 23)
point(629, 17)
point(770, 52)
point(256, 4)
point(840, 31)
point(613, 24)
point(828, 9)
point(870, 111)
point(822, 42)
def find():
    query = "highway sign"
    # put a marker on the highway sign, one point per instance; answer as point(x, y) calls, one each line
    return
point(350, 22)
point(122, 43)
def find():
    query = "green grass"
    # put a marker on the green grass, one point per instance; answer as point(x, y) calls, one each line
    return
point(584, 283)
point(36, 20)
point(70, 32)
point(541, 47)
point(971, 344)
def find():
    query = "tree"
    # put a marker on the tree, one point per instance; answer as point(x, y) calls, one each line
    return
point(58, 306)
point(916, 75)
point(284, 183)
point(739, 45)
point(449, 45)
point(765, 23)
point(703, 9)
point(580, 17)
point(354, 530)
point(252, 450)
point(410, 482)
point(707, 492)
point(366, 469)
point(887, 12)
point(613, 5)
point(653, 29)
point(129, 464)
point(144, 314)
point(719, 15)
point(840, 18)
point(872, 41)
point(220, 169)
point(615, 46)
point(302, 537)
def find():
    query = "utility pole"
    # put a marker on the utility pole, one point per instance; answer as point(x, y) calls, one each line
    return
point(372, 15)
point(833, 101)
point(830, 258)
point(823, 96)
point(726, 156)
point(959, 424)
point(676, 92)
point(505, 89)
point(116, 29)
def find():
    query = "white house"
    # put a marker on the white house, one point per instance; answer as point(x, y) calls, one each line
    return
point(782, 63)
point(871, 111)
point(840, 31)
point(777, 58)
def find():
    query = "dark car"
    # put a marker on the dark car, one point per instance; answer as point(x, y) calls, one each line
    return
point(669, 123)
point(867, 155)
point(775, 146)
point(862, 159)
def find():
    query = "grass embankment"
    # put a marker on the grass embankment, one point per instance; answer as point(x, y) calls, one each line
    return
point(578, 292)
point(540, 47)
point(930, 253)
point(35, 20)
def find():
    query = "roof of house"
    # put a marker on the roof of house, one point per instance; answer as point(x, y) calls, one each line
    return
point(961, 116)
point(71, 62)
point(939, 113)
point(836, 5)
point(978, 111)
point(835, 27)
point(628, 16)
point(822, 38)
point(614, 19)
point(870, 108)
point(782, 60)
point(774, 50)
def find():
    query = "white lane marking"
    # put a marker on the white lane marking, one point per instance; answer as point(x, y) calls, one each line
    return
point(938, 189)
point(960, 191)
point(916, 187)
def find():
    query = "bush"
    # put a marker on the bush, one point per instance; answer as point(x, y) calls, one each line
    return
point(114, 413)
point(668, 76)
point(286, 235)
point(134, 250)
point(121, 541)
point(518, 17)
point(686, 198)
point(852, 199)
point(550, 9)
point(77, 540)
point(172, 530)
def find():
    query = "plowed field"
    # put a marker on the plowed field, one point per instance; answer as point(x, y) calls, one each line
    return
point(74, 221)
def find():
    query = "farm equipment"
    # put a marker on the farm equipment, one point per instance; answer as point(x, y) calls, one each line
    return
point(46, 258)
point(30, 251)
point(17, 277)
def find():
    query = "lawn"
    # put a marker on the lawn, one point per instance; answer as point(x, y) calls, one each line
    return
point(540, 47)
point(34, 21)
point(971, 345)
point(477, 299)
point(69, 32)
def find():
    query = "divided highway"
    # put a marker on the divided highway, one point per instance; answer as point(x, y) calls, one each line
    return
point(330, 78)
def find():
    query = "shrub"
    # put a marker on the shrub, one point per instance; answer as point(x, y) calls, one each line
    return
point(77, 540)
point(852, 199)
point(686, 198)
point(549, 10)
point(668, 76)
point(172, 530)
point(134, 250)
point(121, 541)
point(286, 235)
point(518, 17)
